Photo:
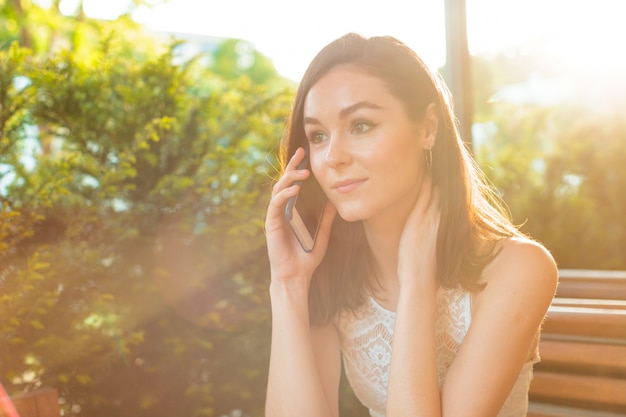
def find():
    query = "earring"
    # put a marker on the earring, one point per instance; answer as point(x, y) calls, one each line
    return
point(428, 158)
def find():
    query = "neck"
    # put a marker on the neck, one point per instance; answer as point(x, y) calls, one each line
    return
point(383, 235)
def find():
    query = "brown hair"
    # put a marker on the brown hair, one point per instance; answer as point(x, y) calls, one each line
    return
point(473, 218)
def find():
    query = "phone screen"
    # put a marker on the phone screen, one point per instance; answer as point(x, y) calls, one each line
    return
point(304, 212)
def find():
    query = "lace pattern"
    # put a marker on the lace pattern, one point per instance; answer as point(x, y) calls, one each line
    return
point(367, 339)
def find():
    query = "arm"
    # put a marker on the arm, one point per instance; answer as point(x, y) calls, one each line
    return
point(506, 316)
point(413, 389)
point(305, 363)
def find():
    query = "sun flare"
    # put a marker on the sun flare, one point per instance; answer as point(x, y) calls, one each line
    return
point(581, 38)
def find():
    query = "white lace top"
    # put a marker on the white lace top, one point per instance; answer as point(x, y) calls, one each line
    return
point(366, 338)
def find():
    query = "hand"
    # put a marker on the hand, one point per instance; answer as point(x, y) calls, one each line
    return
point(288, 261)
point(417, 254)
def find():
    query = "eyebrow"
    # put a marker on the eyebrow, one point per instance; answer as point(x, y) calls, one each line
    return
point(347, 111)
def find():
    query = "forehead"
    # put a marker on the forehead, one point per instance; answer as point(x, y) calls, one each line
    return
point(344, 86)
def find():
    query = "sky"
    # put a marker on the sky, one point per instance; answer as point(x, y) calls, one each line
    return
point(588, 34)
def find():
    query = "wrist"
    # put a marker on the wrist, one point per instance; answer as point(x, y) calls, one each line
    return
point(416, 291)
point(415, 302)
point(292, 293)
point(421, 284)
point(289, 283)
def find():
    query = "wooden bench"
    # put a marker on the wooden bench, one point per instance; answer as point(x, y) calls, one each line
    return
point(40, 403)
point(582, 372)
point(592, 284)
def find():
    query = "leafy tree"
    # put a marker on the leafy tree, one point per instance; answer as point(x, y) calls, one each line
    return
point(133, 267)
point(46, 30)
point(586, 176)
point(235, 58)
point(558, 166)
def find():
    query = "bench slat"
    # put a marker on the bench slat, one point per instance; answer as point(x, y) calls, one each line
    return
point(582, 372)
point(577, 389)
point(576, 283)
point(590, 303)
point(549, 410)
point(592, 290)
point(40, 403)
point(591, 274)
point(584, 321)
point(601, 358)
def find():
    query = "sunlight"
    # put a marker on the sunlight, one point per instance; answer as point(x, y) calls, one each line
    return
point(576, 47)
point(580, 36)
point(286, 34)
point(590, 46)
point(581, 39)
point(110, 9)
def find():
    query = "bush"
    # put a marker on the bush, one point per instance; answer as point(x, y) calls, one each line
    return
point(133, 265)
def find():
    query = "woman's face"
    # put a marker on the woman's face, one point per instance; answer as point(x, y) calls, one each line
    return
point(365, 152)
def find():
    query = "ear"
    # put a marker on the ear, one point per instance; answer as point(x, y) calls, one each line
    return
point(430, 126)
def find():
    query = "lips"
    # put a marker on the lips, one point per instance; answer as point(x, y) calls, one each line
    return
point(346, 186)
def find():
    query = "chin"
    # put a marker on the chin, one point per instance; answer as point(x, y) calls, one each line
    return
point(350, 214)
point(350, 219)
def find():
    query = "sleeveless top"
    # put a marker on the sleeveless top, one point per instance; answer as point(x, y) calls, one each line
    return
point(366, 338)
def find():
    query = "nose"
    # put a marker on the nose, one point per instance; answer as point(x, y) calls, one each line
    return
point(337, 152)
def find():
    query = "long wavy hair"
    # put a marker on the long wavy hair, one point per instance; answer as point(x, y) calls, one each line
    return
point(473, 217)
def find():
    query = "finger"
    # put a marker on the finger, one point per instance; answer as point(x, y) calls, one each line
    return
point(296, 159)
point(289, 178)
point(279, 199)
point(275, 218)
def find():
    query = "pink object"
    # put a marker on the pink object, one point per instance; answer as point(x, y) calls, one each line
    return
point(6, 404)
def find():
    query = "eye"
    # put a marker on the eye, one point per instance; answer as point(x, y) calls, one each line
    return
point(317, 137)
point(362, 126)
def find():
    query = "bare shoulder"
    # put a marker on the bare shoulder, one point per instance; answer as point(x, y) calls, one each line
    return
point(527, 257)
point(522, 267)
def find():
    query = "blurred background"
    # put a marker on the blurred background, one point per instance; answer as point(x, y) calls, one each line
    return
point(138, 146)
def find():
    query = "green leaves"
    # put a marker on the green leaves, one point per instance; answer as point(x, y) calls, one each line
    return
point(560, 170)
point(131, 245)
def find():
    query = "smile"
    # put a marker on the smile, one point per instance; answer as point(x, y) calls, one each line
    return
point(347, 186)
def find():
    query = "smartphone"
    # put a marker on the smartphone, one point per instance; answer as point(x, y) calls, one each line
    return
point(304, 210)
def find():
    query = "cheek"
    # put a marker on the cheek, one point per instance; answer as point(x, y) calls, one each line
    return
point(402, 164)
point(400, 155)
point(316, 166)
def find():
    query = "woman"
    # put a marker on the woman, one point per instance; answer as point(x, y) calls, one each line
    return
point(418, 279)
